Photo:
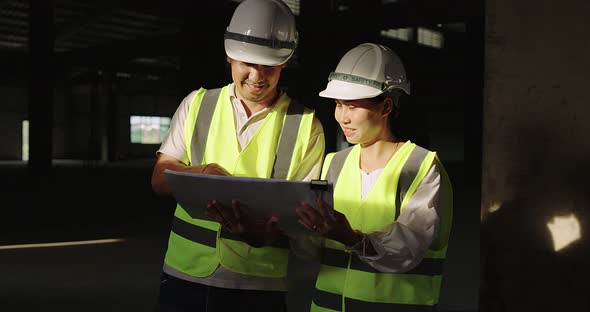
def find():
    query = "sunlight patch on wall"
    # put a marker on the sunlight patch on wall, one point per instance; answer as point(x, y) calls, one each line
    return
point(488, 209)
point(494, 206)
point(564, 230)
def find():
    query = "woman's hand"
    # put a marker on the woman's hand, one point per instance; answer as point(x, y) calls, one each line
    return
point(333, 226)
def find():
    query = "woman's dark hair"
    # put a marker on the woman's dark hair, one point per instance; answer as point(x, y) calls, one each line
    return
point(407, 119)
point(395, 122)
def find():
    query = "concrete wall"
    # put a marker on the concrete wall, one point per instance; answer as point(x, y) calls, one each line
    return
point(535, 156)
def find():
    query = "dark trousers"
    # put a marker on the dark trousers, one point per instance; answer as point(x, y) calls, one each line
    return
point(179, 295)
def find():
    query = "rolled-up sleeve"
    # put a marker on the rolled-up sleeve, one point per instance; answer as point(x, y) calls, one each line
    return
point(174, 144)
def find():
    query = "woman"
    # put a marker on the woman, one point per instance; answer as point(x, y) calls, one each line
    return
point(386, 236)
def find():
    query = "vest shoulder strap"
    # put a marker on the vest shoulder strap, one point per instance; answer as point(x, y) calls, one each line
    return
point(203, 124)
point(336, 165)
point(287, 140)
point(408, 174)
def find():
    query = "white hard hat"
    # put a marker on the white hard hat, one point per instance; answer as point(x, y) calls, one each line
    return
point(366, 71)
point(261, 32)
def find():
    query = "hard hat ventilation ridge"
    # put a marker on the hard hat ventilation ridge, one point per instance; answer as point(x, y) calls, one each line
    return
point(272, 43)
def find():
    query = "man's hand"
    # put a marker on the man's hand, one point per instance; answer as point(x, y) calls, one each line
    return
point(213, 169)
point(257, 233)
point(160, 185)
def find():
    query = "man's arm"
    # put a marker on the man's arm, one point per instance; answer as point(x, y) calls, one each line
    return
point(159, 184)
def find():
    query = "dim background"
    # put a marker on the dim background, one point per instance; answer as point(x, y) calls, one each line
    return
point(87, 90)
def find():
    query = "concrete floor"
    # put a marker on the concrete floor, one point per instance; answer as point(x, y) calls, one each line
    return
point(73, 204)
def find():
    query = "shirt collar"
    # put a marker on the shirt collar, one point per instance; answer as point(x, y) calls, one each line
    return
point(233, 97)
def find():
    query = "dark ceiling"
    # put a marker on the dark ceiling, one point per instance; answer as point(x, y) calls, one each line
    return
point(145, 35)
point(83, 24)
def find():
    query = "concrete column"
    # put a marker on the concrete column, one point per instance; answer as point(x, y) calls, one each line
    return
point(69, 110)
point(535, 202)
point(95, 138)
point(41, 77)
point(108, 98)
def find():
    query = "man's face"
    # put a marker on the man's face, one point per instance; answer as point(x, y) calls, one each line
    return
point(254, 82)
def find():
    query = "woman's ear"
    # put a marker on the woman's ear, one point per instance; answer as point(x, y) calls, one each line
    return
point(387, 106)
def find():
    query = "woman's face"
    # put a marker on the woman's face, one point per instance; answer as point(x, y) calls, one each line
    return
point(362, 121)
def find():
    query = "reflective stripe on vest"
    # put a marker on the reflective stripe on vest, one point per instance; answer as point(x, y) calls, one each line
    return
point(344, 272)
point(287, 141)
point(340, 259)
point(208, 237)
point(204, 123)
point(336, 165)
point(326, 301)
point(408, 175)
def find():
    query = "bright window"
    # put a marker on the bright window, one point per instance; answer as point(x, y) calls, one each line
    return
point(430, 38)
point(404, 34)
point(148, 129)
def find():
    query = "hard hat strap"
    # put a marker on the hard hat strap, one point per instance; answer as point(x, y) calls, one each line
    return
point(273, 43)
point(357, 80)
point(386, 86)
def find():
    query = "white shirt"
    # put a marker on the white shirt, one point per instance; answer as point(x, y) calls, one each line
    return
point(175, 145)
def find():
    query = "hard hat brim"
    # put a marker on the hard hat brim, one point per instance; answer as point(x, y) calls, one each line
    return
point(341, 90)
point(255, 54)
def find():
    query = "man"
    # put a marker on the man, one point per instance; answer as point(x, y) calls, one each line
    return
point(248, 128)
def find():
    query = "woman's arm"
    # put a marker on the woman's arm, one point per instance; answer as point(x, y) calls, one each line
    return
point(403, 244)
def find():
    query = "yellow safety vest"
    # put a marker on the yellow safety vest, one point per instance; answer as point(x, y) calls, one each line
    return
point(196, 246)
point(347, 283)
